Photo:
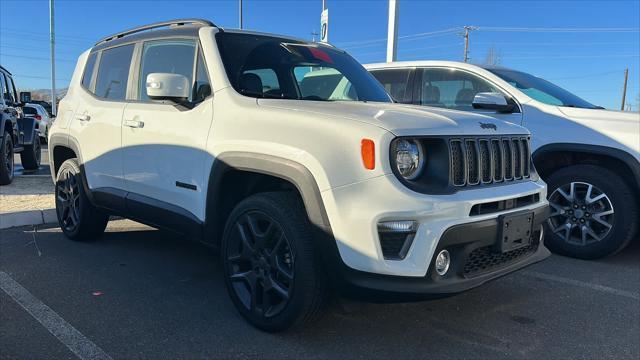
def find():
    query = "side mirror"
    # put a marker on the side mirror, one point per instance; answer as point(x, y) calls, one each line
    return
point(25, 97)
point(165, 86)
point(492, 101)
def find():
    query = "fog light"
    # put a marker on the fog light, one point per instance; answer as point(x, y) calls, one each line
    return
point(443, 260)
point(397, 226)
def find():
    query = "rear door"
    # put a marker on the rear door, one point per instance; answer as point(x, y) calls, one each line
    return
point(164, 142)
point(98, 116)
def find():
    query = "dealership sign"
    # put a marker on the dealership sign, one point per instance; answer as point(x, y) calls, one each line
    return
point(324, 26)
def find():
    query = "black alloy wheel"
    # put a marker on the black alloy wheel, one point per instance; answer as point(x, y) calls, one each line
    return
point(68, 200)
point(260, 264)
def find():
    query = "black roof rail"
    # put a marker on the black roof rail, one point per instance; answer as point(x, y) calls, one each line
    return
point(177, 22)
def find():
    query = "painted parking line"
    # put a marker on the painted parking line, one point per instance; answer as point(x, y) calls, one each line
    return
point(563, 280)
point(56, 325)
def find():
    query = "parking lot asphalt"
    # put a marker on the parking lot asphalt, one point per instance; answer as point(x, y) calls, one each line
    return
point(143, 293)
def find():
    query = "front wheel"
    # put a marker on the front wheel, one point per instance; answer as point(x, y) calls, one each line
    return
point(78, 218)
point(6, 159)
point(593, 212)
point(272, 273)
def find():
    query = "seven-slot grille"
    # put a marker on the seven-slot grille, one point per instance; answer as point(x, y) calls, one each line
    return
point(489, 160)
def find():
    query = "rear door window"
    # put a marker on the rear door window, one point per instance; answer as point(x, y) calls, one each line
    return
point(396, 82)
point(113, 72)
point(28, 110)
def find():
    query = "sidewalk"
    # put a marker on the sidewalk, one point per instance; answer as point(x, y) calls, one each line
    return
point(28, 200)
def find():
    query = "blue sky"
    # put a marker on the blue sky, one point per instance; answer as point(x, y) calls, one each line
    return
point(589, 62)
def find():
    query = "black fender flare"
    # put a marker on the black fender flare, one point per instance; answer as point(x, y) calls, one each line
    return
point(64, 140)
point(28, 132)
point(286, 169)
point(621, 155)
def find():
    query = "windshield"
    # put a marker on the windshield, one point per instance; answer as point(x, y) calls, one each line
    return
point(542, 90)
point(270, 67)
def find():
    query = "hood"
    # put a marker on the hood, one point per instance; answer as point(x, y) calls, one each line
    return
point(620, 126)
point(402, 120)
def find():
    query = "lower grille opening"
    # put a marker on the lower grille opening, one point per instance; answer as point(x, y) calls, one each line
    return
point(486, 258)
point(395, 246)
point(497, 206)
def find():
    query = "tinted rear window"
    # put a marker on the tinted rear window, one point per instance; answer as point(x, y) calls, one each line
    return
point(28, 110)
point(88, 70)
point(113, 72)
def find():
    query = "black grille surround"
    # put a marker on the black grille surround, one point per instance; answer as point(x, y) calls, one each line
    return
point(489, 160)
point(455, 163)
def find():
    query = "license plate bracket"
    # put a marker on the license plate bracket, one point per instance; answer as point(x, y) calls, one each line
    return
point(515, 231)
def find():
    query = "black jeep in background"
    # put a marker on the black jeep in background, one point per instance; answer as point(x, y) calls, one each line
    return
point(18, 133)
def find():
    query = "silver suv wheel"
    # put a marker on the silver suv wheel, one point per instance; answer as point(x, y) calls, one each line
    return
point(581, 213)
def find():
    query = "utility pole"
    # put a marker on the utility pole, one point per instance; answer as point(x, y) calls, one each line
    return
point(624, 88)
point(240, 13)
point(467, 29)
point(392, 31)
point(54, 109)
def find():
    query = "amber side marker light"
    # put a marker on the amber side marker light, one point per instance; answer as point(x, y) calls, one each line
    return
point(368, 152)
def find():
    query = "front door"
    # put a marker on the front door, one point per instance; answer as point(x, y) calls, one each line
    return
point(453, 88)
point(163, 142)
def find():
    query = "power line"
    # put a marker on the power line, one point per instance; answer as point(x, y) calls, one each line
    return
point(566, 30)
point(409, 37)
point(68, 37)
point(587, 75)
point(40, 77)
point(34, 57)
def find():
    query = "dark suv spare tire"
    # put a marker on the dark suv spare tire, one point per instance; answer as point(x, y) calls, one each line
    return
point(31, 155)
point(594, 212)
point(78, 218)
point(272, 273)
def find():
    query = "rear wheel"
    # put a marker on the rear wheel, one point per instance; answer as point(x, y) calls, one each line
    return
point(6, 159)
point(31, 155)
point(272, 273)
point(78, 218)
point(593, 212)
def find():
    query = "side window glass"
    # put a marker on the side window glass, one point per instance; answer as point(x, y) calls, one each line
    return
point(166, 56)
point(11, 90)
point(395, 81)
point(3, 87)
point(113, 72)
point(202, 86)
point(88, 70)
point(260, 82)
point(451, 88)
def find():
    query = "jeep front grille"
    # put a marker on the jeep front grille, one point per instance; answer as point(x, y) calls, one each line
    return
point(489, 160)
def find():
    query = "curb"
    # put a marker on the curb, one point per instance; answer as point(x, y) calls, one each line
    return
point(31, 217)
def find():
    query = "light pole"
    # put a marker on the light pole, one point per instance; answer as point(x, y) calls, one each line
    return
point(240, 12)
point(392, 31)
point(53, 60)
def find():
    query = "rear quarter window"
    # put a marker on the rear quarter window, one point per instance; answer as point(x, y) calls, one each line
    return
point(113, 72)
point(88, 70)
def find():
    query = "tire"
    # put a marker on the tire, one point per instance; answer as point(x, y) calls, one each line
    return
point(6, 159)
point(594, 190)
point(273, 262)
point(32, 154)
point(78, 218)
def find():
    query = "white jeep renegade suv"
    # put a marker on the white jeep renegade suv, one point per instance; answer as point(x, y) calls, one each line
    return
point(590, 157)
point(224, 136)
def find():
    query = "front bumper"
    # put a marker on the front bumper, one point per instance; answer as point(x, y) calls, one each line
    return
point(473, 263)
point(355, 258)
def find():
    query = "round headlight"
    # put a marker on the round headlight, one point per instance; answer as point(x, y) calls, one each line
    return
point(409, 158)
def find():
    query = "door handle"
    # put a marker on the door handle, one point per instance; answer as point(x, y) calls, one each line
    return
point(134, 123)
point(83, 117)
